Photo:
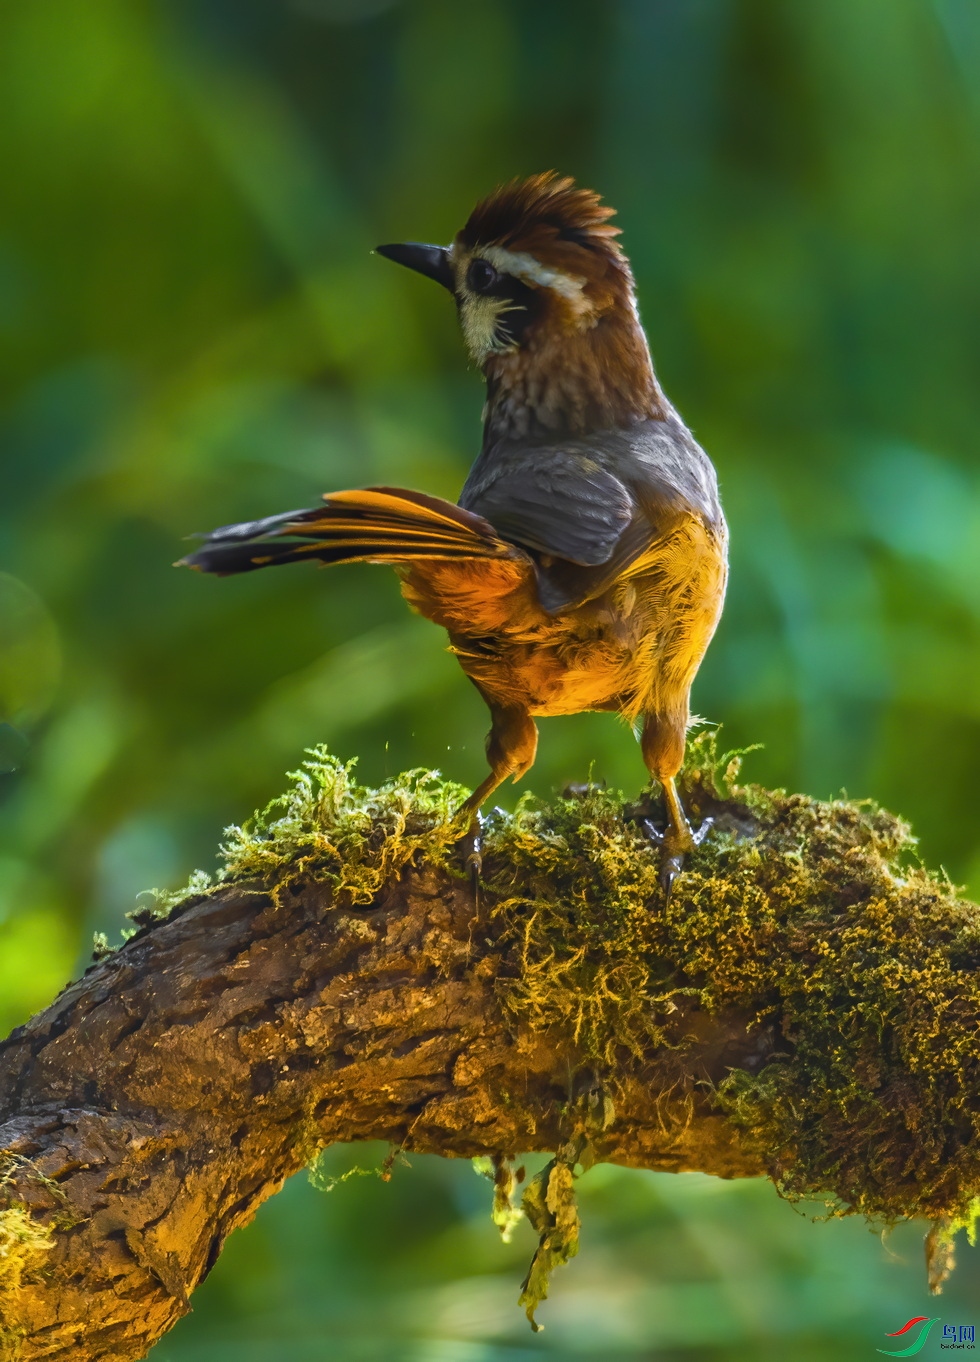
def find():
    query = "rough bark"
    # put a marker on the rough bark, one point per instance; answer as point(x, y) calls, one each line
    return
point(148, 1112)
point(175, 1087)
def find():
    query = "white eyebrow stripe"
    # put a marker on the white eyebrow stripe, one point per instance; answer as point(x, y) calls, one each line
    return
point(525, 266)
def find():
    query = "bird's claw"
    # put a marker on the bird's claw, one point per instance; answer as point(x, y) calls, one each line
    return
point(701, 833)
point(674, 844)
point(471, 848)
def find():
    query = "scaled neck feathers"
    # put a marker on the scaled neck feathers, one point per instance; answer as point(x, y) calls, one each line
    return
point(573, 382)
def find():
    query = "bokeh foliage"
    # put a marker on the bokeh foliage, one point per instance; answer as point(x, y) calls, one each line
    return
point(193, 330)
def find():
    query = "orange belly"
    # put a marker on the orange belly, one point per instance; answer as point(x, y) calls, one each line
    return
point(634, 649)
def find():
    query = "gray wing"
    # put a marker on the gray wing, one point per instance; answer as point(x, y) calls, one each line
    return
point(593, 503)
point(558, 502)
point(581, 522)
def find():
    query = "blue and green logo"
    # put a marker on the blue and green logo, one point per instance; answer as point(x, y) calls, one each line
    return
point(920, 1337)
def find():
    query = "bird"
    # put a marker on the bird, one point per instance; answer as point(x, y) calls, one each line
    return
point(584, 566)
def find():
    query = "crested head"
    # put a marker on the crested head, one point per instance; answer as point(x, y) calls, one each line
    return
point(547, 308)
point(537, 256)
point(544, 214)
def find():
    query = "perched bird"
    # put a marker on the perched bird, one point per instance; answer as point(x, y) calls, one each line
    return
point(584, 567)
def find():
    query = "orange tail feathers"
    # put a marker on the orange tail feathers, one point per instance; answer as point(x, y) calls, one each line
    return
point(373, 525)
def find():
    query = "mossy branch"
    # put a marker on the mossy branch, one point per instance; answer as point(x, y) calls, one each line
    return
point(805, 1005)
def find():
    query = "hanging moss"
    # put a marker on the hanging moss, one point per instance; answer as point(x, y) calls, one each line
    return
point(813, 918)
point(549, 1204)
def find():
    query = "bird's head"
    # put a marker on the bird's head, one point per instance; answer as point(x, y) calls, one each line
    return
point(547, 308)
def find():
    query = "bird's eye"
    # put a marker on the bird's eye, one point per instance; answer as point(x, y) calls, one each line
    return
point(481, 276)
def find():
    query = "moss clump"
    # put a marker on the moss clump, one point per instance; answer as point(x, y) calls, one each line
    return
point(23, 1239)
point(814, 919)
point(326, 828)
point(820, 925)
point(22, 1242)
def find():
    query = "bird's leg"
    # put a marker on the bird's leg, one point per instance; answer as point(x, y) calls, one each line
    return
point(663, 750)
point(677, 839)
point(470, 844)
point(511, 746)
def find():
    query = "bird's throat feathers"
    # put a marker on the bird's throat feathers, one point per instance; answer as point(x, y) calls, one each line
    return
point(571, 376)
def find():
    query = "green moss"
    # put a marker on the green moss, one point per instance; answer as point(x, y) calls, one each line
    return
point(22, 1242)
point(500, 1170)
point(820, 925)
point(25, 1240)
point(326, 828)
point(814, 919)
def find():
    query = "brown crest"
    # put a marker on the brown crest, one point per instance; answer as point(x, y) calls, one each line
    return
point(530, 214)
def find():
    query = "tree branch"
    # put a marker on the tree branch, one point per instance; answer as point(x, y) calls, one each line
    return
point(805, 1005)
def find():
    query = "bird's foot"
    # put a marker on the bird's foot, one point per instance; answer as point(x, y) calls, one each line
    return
point(676, 842)
point(471, 850)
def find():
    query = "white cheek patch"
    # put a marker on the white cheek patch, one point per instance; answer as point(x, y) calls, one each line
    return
point(525, 266)
point(480, 322)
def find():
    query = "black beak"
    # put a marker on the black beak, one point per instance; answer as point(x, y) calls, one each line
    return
point(432, 261)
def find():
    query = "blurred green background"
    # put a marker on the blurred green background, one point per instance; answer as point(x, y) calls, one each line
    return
point(194, 331)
